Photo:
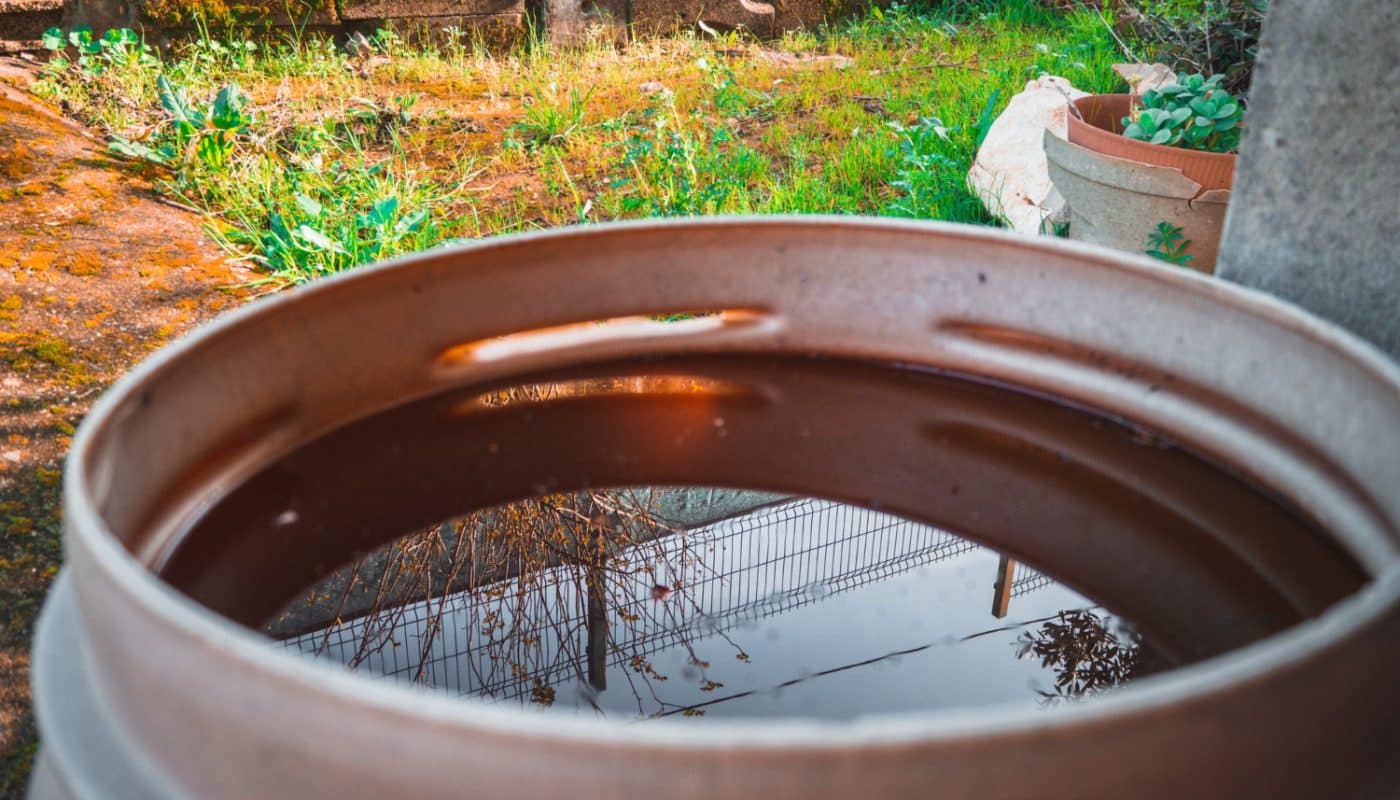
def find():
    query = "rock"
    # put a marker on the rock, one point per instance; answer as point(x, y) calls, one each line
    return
point(763, 19)
point(1144, 77)
point(358, 46)
point(805, 60)
point(1010, 175)
point(22, 22)
point(426, 9)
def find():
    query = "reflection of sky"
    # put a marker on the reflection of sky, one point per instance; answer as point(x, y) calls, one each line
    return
point(803, 588)
point(936, 604)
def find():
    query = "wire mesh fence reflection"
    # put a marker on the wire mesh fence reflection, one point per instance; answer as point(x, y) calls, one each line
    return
point(514, 639)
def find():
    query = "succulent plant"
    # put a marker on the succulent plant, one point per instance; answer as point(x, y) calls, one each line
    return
point(1194, 113)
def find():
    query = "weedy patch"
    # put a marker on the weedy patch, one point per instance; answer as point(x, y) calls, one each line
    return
point(675, 164)
point(208, 133)
point(549, 118)
point(310, 158)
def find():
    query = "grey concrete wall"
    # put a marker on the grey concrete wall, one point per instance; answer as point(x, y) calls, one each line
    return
point(1315, 217)
point(497, 22)
point(22, 22)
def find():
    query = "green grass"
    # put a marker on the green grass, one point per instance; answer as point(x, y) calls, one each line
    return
point(336, 161)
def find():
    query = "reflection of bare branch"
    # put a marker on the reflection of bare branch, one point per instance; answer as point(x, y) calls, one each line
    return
point(497, 603)
point(517, 572)
point(1086, 656)
point(435, 624)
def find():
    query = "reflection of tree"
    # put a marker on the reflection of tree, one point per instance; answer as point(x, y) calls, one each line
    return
point(548, 568)
point(539, 577)
point(1086, 655)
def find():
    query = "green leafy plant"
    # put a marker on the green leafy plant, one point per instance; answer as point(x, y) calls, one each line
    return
point(119, 48)
point(208, 133)
point(53, 39)
point(1194, 113)
point(318, 238)
point(214, 54)
point(728, 96)
point(387, 41)
point(1168, 243)
point(302, 223)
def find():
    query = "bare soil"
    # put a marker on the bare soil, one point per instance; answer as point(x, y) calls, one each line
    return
point(95, 273)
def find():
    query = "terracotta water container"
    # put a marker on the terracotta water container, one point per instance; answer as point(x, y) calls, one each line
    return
point(143, 690)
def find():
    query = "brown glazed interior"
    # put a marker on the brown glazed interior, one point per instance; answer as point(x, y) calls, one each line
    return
point(1201, 561)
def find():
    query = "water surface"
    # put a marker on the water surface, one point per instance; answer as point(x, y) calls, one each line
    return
point(801, 608)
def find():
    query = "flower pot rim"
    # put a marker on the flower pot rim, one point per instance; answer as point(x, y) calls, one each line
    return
point(1146, 147)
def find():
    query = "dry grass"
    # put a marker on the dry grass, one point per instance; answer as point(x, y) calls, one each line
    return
point(880, 115)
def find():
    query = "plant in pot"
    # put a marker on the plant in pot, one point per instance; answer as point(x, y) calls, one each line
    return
point(1131, 163)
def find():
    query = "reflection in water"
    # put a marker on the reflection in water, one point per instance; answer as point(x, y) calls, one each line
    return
point(618, 602)
point(1088, 650)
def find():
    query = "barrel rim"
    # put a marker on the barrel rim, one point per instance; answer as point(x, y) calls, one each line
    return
point(87, 530)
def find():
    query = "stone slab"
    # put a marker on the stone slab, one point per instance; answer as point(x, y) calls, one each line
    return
point(503, 21)
point(495, 30)
point(1315, 217)
point(410, 9)
point(23, 22)
point(269, 13)
point(650, 17)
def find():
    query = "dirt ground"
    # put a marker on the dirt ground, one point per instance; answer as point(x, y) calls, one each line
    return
point(95, 273)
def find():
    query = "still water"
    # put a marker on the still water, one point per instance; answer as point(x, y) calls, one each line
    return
point(645, 602)
point(799, 608)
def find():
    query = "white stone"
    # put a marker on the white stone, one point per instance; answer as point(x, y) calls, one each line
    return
point(1010, 175)
point(1144, 77)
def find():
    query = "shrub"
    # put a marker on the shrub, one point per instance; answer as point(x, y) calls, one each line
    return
point(1214, 37)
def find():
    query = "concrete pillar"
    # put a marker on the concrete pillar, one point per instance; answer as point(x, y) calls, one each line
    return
point(1315, 217)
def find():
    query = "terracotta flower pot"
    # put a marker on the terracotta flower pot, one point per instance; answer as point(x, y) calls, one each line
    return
point(1101, 130)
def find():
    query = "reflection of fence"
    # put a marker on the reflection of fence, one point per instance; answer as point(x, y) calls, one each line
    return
point(777, 560)
point(722, 576)
point(1007, 585)
point(1028, 581)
